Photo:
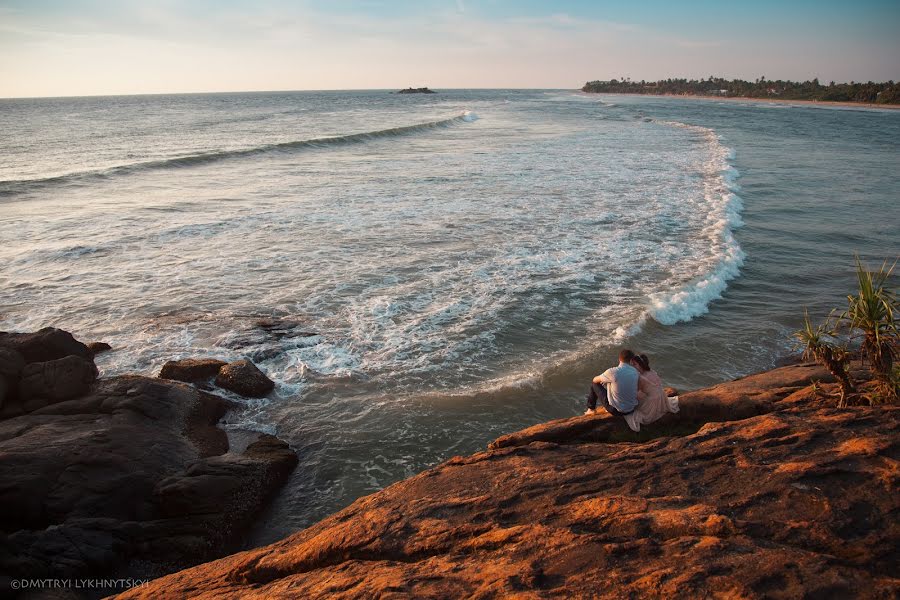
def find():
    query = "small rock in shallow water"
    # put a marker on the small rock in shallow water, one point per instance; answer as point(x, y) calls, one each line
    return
point(98, 347)
point(244, 378)
point(191, 370)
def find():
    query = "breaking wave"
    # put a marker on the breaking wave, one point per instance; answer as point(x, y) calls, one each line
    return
point(12, 187)
point(724, 206)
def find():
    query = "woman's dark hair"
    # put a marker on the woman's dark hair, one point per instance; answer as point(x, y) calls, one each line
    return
point(643, 361)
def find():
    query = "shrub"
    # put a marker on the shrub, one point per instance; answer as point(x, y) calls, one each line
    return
point(871, 312)
point(818, 342)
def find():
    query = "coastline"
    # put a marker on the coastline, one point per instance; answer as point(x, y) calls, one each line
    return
point(864, 105)
point(709, 489)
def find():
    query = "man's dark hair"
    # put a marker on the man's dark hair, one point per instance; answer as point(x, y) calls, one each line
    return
point(626, 355)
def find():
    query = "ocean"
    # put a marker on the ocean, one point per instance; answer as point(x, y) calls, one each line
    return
point(423, 273)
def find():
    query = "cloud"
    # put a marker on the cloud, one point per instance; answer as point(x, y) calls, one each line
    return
point(138, 47)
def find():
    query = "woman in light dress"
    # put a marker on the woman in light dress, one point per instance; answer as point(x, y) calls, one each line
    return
point(652, 400)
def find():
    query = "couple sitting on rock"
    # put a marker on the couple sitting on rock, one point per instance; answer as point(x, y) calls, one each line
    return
point(632, 391)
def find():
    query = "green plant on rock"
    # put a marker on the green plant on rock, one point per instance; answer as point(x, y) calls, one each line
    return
point(816, 388)
point(818, 342)
point(871, 311)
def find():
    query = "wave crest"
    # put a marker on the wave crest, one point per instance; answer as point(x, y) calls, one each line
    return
point(12, 187)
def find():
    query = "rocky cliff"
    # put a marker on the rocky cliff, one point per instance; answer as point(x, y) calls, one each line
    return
point(759, 488)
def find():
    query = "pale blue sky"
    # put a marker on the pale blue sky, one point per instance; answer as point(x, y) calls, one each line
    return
point(82, 47)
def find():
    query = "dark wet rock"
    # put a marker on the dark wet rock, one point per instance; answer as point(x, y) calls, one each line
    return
point(131, 478)
point(98, 347)
point(281, 328)
point(265, 354)
point(41, 368)
point(235, 486)
point(244, 378)
point(53, 381)
point(267, 338)
point(201, 426)
point(191, 370)
point(88, 476)
point(794, 499)
point(46, 344)
point(11, 365)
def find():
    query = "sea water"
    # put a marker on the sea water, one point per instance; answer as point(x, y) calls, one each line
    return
point(422, 273)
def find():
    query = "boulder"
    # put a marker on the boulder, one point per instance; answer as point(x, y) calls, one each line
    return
point(55, 380)
point(125, 480)
point(191, 370)
point(244, 378)
point(98, 347)
point(46, 344)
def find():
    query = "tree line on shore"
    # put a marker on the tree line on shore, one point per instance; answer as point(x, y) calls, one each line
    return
point(876, 93)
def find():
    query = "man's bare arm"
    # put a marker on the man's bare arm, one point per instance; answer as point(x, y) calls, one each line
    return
point(601, 379)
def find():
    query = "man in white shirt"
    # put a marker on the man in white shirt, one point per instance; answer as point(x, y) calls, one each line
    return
point(616, 388)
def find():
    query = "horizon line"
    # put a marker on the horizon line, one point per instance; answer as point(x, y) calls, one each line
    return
point(391, 89)
point(196, 93)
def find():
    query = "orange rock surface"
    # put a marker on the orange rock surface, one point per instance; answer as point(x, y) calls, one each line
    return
point(777, 495)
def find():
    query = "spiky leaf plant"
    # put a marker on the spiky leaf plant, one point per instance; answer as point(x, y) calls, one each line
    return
point(871, 312)
point(817, 342)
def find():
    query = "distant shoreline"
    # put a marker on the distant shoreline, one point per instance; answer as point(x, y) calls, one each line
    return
point(759, 100)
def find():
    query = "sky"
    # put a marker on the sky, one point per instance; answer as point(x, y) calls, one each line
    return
point(96, 47)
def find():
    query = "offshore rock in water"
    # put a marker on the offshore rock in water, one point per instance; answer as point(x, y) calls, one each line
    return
point(795, 499)
point(244, 378)
point(421, 90)
point(98, 347)
point(191, 370)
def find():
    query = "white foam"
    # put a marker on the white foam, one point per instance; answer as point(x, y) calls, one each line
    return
point(325, 359)
point(723, 206)
point(554, 245)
